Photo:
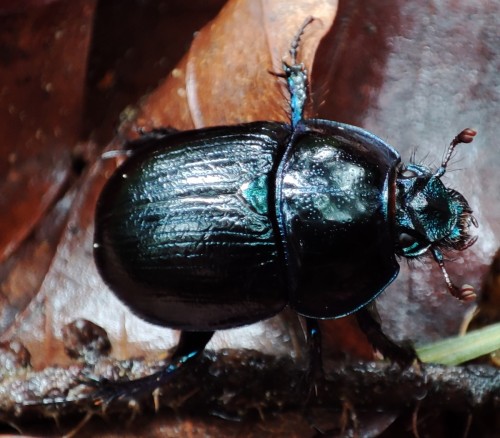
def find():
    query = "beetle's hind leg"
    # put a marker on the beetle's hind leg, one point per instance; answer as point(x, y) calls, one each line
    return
point(157, 133)
point(152, 136)
point(369, 322)
point(189, 348)
point(146, 138)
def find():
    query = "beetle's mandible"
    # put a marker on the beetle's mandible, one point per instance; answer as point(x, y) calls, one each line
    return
point(220, 227)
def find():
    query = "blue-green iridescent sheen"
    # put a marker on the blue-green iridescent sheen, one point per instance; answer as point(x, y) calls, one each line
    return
point(256, 193)
point(425, 210)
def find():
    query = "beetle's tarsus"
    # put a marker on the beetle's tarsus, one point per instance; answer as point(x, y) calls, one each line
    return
point(294, 47)
point(89, 379)
point(190, 346)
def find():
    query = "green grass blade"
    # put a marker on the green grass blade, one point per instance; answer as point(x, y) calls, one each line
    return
point(456, 350)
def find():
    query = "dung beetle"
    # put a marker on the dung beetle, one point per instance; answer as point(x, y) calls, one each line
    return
point(220, 227)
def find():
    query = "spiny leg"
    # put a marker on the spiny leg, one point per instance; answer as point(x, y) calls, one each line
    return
point(189, 348)
point(296, 78)
point(146, 138)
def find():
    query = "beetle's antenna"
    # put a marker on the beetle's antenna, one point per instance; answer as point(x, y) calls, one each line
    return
point(466, 292)
point(466, 136)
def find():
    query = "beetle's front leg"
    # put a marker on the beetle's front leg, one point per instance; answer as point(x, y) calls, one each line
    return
point(369, 322)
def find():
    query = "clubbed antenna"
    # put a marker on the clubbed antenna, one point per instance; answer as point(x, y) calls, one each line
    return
point(466, 136)
point(466, 292)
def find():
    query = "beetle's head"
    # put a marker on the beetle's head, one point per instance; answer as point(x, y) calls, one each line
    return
point(431, 217)
point(428, 214)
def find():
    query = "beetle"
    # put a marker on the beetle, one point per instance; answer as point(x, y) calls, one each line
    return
point(220, 227)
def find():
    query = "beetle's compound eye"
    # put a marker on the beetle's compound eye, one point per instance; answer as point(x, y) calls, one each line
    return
point(411, 245)
point(407, 173)
point(407, 241)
